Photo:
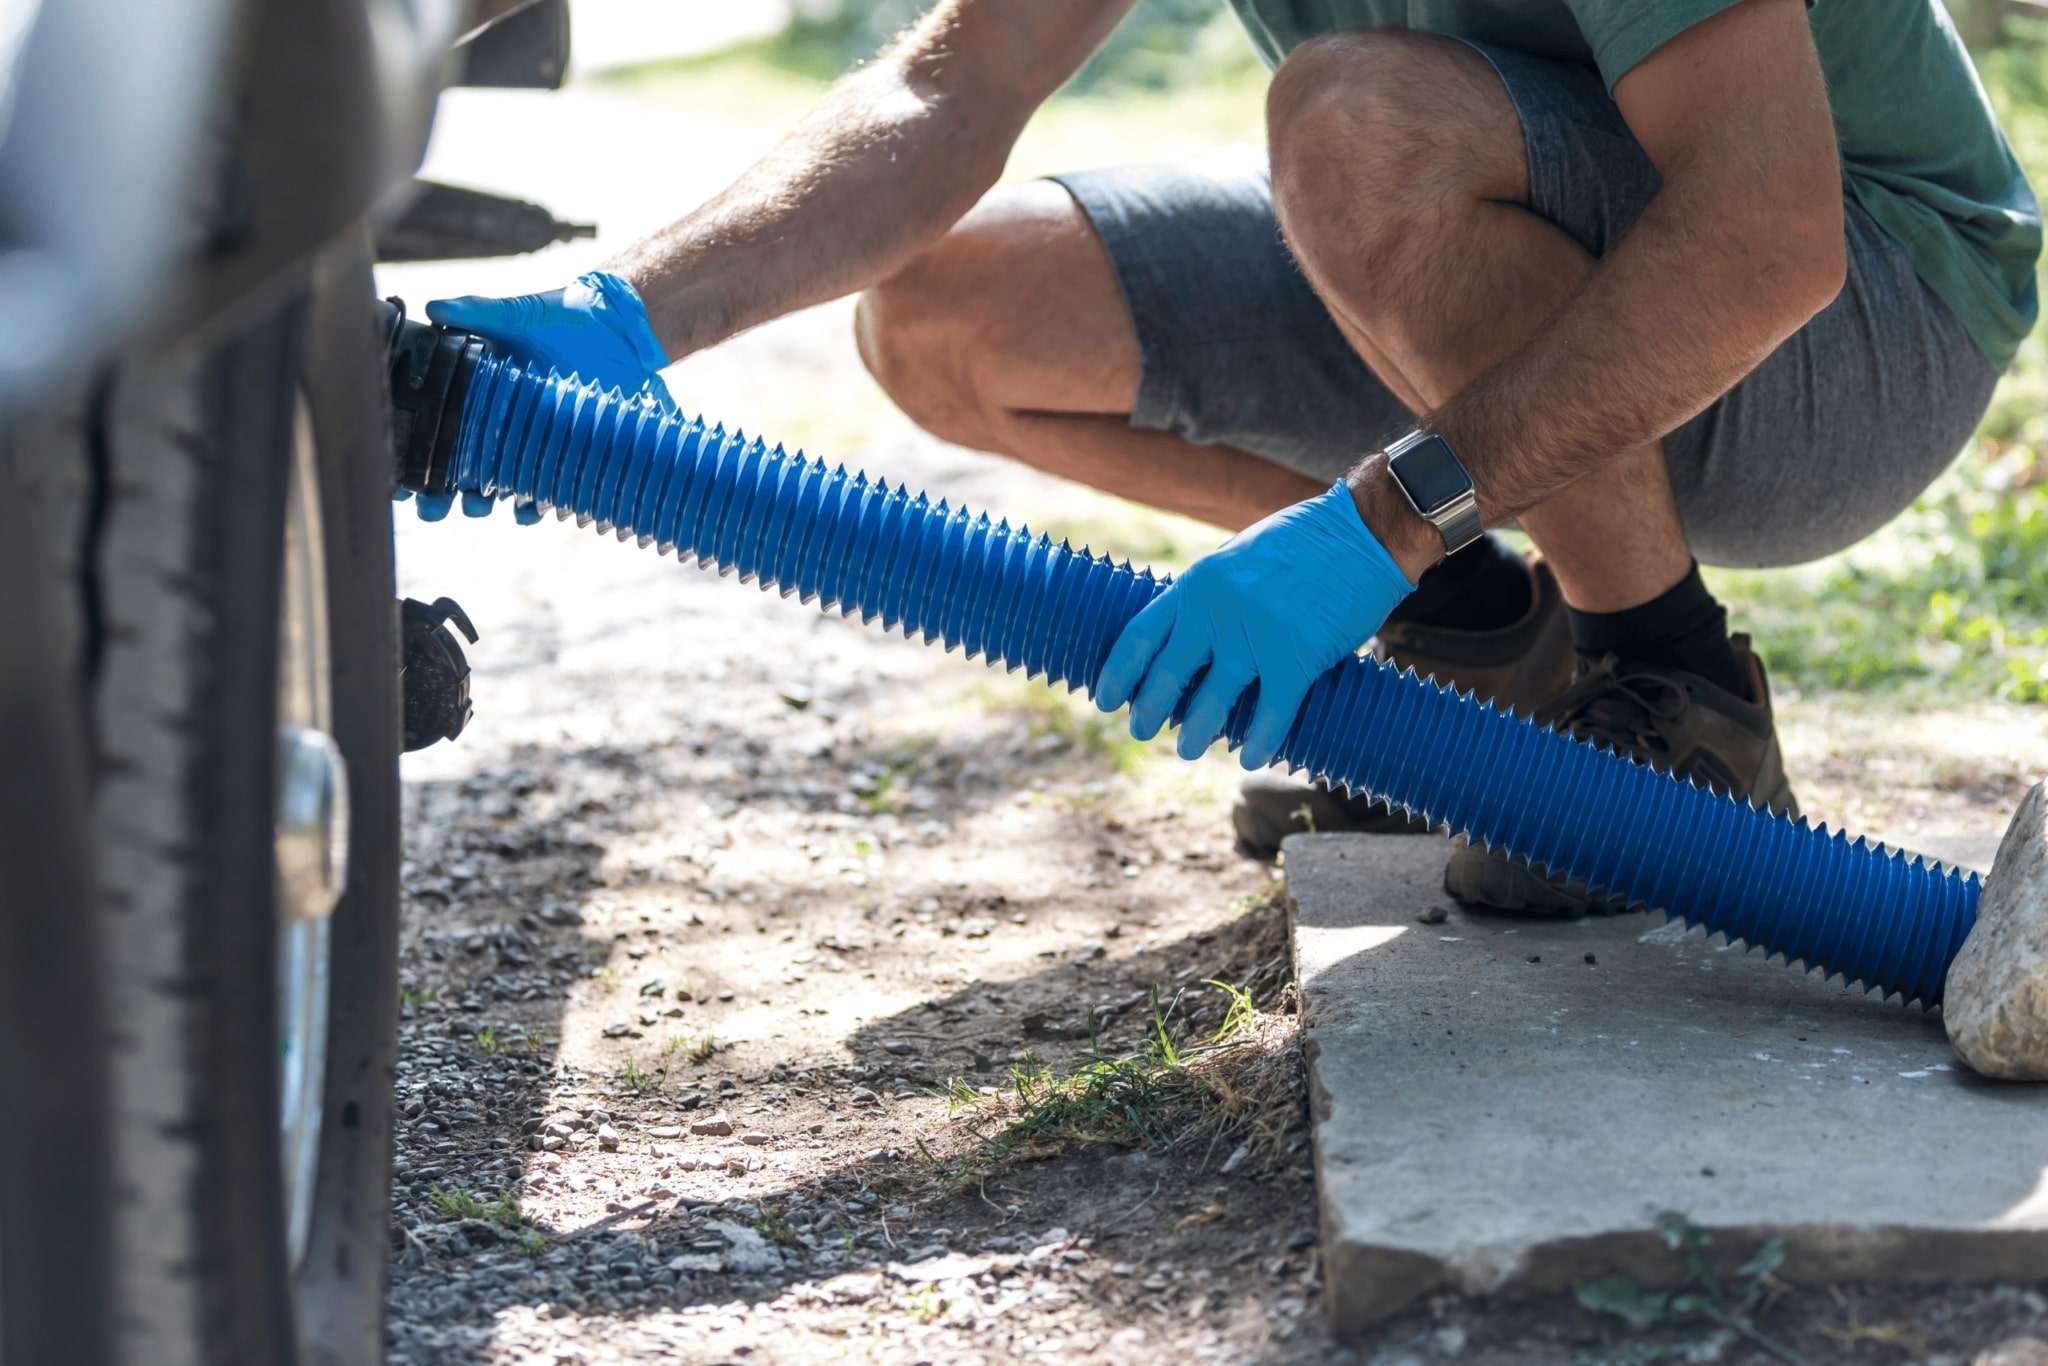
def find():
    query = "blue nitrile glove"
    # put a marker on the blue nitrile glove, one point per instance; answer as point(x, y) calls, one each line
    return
point(594, 327)
point(1277, 604)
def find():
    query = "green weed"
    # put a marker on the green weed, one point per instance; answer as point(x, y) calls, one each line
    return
point(503, 1211)
point(634, 1077)
point(1730, 1304)
point(1233, 1085)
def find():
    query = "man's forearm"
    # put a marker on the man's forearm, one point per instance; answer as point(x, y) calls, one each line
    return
point(879, 170)
point(1691, 301)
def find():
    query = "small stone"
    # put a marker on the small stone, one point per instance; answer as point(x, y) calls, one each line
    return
point(607, 1138)
point(696, 1263)
point(715, 1126)
point(941, 1265)
point(666, 1131)
point(898, 1047)
point(1995, 1000)
point(1050, 1244)
point(1592, 960)
point(863, 1096)
point(1435, 915)
point(1237, 1158)
point(747, 1252)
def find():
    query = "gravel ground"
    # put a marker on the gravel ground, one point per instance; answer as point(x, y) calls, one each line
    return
point(702, 915)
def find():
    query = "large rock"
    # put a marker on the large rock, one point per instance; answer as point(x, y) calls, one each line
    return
point(1995, 1002)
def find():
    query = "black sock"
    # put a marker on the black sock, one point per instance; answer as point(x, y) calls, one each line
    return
point(1483, 587)
point(1684, 628)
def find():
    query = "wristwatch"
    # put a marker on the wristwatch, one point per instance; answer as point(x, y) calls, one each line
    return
point(1433, 480)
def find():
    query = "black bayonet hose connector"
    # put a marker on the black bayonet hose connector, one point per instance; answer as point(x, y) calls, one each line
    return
point(434, 677)
point(430, 370)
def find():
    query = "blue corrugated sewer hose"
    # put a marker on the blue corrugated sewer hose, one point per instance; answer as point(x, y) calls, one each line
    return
point(470, 419)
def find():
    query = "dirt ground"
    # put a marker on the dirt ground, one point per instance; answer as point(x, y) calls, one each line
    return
point(728, 922)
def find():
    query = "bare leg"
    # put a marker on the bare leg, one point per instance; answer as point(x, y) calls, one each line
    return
point(1011, 336)
point(1400, 180)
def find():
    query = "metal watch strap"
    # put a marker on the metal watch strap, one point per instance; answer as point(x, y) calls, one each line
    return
point(1456, 518)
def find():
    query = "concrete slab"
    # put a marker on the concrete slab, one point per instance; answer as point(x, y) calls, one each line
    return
point(1505, 1105)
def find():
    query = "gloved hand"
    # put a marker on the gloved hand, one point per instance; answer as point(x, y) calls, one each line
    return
point(594, 327)
point(1277, 604)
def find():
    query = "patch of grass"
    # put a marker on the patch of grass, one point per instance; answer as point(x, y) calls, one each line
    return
point(636, 1078)
point(1952, 597)
point(704, 1049)
point(1236, 1084)
point(1730, 1305)
point(503, 1211)
point(417, 996)
point(487, 1041)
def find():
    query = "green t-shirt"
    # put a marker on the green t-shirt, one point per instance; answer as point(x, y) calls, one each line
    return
point(1921, 149)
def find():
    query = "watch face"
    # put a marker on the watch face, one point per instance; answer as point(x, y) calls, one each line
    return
point(1432, 475)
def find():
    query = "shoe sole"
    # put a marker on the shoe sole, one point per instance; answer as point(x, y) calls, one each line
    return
point(1474, 877)
point(1381, 822)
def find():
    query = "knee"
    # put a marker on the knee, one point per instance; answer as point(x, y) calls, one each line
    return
point(909, 334)
point(1370, 134)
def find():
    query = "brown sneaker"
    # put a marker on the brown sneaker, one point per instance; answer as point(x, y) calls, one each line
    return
point(1520, 665)
point(1676, 721)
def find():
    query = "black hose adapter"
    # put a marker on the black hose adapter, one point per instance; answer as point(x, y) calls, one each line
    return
point(430, 370)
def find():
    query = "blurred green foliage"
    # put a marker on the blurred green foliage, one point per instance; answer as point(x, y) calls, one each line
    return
point(1163, 44)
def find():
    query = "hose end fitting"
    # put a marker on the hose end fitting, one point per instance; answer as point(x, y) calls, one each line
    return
point(430, 372)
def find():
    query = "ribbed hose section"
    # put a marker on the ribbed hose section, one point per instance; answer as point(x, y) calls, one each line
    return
point(1877, 920)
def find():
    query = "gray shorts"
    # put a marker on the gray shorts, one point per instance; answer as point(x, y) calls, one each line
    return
point(1832, 436)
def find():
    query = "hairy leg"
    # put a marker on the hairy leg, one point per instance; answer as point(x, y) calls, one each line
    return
point(1400, 180)
point(1011, 336)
